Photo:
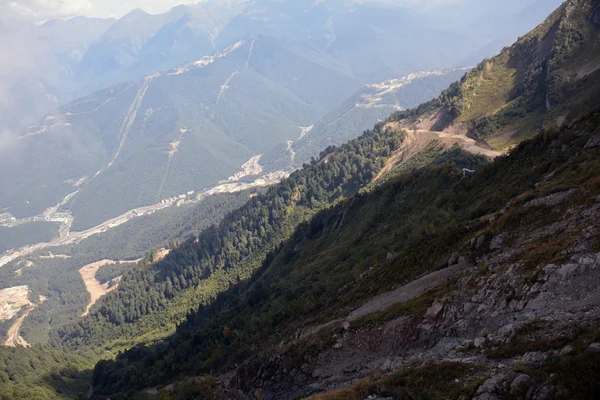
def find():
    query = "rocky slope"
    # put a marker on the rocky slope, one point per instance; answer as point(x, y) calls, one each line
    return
point(513, 311)
point(454, 279)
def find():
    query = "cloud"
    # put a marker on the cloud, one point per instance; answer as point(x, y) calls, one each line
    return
point(38, 10)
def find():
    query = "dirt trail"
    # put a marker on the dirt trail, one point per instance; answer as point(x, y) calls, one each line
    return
point(94, 288)
point(131, 116)
point(417, 139)
point(13, 337)
point(224, 88)
point(409, 291)
point(174, 149)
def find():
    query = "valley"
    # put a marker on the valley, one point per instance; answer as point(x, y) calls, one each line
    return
point(71, 238)
point(270, 203)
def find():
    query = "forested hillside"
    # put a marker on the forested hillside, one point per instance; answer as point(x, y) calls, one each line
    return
point(407, 227)
point(453, 251)
point(231, 251)
point(55, 275)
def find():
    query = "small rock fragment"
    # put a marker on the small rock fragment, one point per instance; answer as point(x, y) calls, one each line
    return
point(594, 349)
point(434, 310)
point(593, 143)
point(497, 241)
point(478, 342)
point(480, 241)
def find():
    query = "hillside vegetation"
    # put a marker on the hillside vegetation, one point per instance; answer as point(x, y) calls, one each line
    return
point(412, 262)
point(548, 78)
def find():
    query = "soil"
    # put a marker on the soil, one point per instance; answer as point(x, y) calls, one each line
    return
point(94, 288)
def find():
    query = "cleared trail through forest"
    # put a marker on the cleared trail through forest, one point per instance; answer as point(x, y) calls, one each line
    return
point(93, 286)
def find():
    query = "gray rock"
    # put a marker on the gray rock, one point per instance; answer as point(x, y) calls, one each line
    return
point(497, 241)
point(553, 199)
point(453, 260)
point(519, 383)
point(480, 242)
point(337, 346)
point(598, 199)
point(468, 307)
point(479, 342)
point(534, 358)
point(565, 350)
point(387, 365)
point(492, 389)
point(346, 325)
point(434, 310)
point(593, 143)
point(594, 349)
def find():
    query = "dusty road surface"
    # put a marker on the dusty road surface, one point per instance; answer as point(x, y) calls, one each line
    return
point(17, 297)
point(12, 300)
point(409, 291)
point(94, 288)
point(13, 337)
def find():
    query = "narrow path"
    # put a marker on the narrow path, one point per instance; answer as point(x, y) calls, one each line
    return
point(409, 291)
point(249, 55)
point(224, 88)
point(131, 116)
point(13, 337)
point(174, 148)
point(290, 149)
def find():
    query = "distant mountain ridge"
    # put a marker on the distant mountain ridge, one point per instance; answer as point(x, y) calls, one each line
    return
point(83, 55)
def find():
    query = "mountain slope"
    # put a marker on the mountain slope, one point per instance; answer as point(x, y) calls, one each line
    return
point(222, 256)
point(546, 79)
point(388, 234)
point(174, 132)
point(322, 311)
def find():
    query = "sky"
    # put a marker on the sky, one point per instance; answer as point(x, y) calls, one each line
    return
point(41, 10)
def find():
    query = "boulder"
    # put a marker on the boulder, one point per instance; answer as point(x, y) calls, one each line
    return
point(519, 383)
point(497, 241)
point(593, 143)
point(480, 242)
point(453, 260)
point(434, 310)
point(491, 389)
point(594, 349)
